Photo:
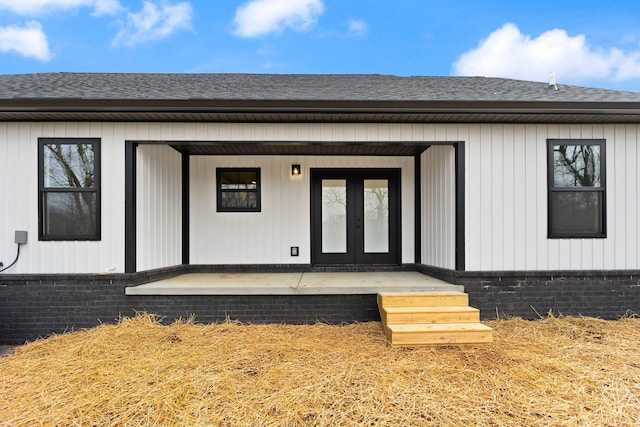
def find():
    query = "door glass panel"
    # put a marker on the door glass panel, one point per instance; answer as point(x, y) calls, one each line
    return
point(334, 215)
point(376, 215)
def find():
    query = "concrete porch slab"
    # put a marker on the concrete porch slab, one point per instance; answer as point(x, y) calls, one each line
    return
point(334, 283)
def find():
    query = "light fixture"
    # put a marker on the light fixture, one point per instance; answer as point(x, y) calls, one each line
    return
point(295, 170)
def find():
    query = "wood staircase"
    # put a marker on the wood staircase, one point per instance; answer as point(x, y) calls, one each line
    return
point(414, 319)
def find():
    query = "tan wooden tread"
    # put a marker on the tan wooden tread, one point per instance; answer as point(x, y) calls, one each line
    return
point(436, 328)
point(411, 315)
point(438, 309)
point(430, 299)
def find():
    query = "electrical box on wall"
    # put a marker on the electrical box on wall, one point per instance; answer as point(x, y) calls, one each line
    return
point(21, 237)
point(294, 251)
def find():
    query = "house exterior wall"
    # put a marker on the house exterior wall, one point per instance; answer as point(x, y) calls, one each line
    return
point(19, 206)
point(266, 237)
point(19, 201)
point(513, 267)
point(505, 199)
point(158, 207)
point(438, 188)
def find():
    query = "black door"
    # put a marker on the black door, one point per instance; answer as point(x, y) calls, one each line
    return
point(355, 216)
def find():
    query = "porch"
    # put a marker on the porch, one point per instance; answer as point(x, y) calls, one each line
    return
point(294, 283)
point(415, 309)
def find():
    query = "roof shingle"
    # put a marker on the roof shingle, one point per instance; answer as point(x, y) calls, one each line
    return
point(294, 87)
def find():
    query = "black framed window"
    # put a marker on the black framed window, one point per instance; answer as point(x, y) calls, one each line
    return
point(577, 188)
point(69, 188)
point(238, 189)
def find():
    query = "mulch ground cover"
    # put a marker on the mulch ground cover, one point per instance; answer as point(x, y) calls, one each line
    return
point(551, 372)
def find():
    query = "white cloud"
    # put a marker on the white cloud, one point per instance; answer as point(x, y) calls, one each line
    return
point(260, 17)
point(40, 7)
point(29, 41)
point(154, 22)
point(106, 7)
point(357, 28)
point(628, 66)
point(509, 53)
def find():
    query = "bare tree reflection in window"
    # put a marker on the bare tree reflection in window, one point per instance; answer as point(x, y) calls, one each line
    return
point(576, 166)
point(377, 203)
point(376, 215)
point(70, 166)
point(334, 215)
point(576, 195)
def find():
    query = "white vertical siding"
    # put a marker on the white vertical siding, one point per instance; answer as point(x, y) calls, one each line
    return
point(284, 221)
point(438, 206)
point(14, 189)
point(158, 207)
point(507, 200)
point(632, 185)
point(19, 201)
point(506, 194)
point(507, 252)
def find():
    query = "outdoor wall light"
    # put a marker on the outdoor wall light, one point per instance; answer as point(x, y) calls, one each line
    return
point(295, 170)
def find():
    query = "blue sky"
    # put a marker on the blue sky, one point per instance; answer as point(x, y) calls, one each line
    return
point(588, 43)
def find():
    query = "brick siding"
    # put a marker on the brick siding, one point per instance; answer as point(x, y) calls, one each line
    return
point(531, 295)
point(37, 306)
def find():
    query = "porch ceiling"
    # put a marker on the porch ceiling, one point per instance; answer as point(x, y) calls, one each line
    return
point(301, 148)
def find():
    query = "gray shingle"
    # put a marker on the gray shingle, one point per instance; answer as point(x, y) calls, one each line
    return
point(298, 87)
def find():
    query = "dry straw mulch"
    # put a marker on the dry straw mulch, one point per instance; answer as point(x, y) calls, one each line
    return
point(551, 372)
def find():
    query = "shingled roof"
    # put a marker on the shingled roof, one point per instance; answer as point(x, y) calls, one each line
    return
point(304, 97)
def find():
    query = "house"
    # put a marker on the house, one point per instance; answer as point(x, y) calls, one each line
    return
point(523, 192)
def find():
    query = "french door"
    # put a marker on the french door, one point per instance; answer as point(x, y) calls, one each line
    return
point(354, 216)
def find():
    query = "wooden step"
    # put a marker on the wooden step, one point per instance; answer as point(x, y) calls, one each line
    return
point(413, 315)
point(431, 318)
point(427, 299)
point(438, 334)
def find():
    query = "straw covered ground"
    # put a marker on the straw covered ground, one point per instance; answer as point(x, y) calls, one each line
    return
point(550, 372)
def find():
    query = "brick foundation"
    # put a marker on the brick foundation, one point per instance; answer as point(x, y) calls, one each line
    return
point(530, 295)
point(33, 306)
point(33, 309)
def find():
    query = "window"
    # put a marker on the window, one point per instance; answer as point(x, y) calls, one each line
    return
point(238, 189)
point(69, 189)
point(577, 188)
